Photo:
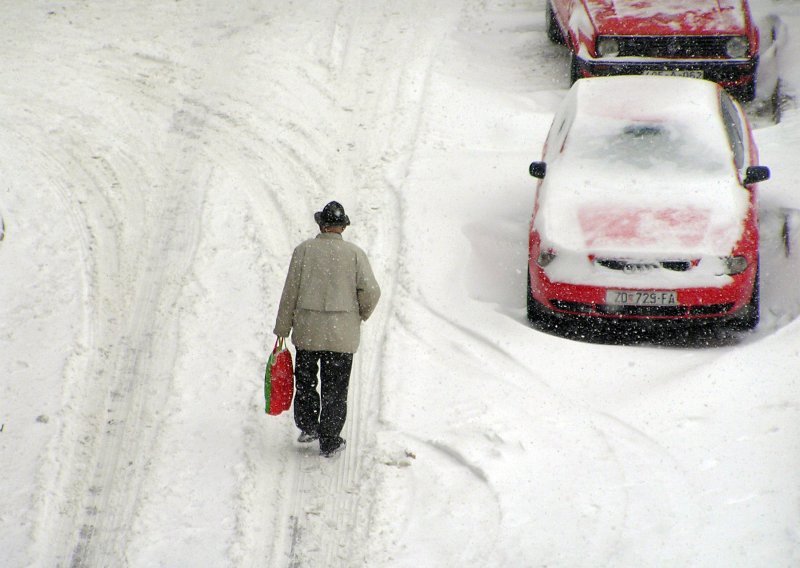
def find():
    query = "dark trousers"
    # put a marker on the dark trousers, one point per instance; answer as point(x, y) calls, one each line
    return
point(326, 419)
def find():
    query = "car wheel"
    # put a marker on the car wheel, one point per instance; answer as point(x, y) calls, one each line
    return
point(776, 103)
point(746, 93)
point(749, 316)
point(574, 69)
point(554, 33)
point(536, 312)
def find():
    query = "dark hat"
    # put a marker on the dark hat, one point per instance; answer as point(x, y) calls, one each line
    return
point(332, 215)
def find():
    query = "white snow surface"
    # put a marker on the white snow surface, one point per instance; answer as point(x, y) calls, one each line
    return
point(160, 160)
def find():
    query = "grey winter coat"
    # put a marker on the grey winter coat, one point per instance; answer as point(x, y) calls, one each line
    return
point(329, 291)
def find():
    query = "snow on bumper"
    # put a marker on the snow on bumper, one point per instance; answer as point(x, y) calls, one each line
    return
point(692, 302)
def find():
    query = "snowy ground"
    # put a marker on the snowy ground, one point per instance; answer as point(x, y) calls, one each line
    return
point(158, 162)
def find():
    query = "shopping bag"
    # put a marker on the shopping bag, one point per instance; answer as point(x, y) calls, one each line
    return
point(278, 379)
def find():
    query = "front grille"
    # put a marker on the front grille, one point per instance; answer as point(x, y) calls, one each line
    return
point(621, 264)
point(612, 263)
point(673, 47)
point(677, 265)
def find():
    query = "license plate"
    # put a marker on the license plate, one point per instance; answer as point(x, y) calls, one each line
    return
point(693, 73)
point(641, 298)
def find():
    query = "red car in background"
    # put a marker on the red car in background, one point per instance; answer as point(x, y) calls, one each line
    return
point(703, 39)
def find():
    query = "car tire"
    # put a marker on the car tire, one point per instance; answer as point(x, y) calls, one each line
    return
point(536, 311)
point(746, 93)
point(749, 316)
point(554, 33)
point(574, 69)
point(776, 103)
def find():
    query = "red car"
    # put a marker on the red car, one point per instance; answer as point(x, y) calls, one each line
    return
point(704, 39)
point(646, 205)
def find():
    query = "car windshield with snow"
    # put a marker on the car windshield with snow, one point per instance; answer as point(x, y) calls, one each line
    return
point(706, 39)
point(646, 205)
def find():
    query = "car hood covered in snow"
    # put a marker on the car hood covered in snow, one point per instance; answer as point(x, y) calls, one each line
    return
point(643, 172)
point(647, 17)
point(638, 212)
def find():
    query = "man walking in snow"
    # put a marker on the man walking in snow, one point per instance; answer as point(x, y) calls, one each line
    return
point(329, 291)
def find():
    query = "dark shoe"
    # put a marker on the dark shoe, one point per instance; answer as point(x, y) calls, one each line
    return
point(306, 438)
point(331, 449)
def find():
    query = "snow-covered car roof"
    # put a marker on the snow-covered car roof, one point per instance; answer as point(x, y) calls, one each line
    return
point(631, 17)
point(645, 166)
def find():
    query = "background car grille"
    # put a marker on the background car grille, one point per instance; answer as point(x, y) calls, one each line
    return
point(673, 47)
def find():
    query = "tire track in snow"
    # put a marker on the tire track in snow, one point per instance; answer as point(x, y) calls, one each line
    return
point(640, 461)
point(276, 154)
point(60, 176)
point(142, 356)
point(143, 228)
point(86, 185)
point(141, 367)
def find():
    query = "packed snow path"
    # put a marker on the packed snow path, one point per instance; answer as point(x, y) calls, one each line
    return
point(370, 76)
point(159, 162)
point(164, 130)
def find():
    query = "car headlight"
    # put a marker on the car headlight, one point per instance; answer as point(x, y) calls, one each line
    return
point(607, 47)
point(737, 47)
point(546, 257)
point(734, 264)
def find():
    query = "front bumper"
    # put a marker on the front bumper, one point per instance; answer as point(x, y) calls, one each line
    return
point(694, 303)
point(728, 74)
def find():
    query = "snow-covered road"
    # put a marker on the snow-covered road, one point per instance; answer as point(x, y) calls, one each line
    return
point(159, 162)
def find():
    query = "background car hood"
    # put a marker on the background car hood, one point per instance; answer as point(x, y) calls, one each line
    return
point(659, 17)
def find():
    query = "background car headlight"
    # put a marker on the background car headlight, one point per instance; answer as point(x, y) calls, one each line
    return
point(734, 264)
point(737, 47)
point(607, 47)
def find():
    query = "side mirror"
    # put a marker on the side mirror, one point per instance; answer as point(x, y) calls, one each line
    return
point(755, 174)
point(537, 169)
